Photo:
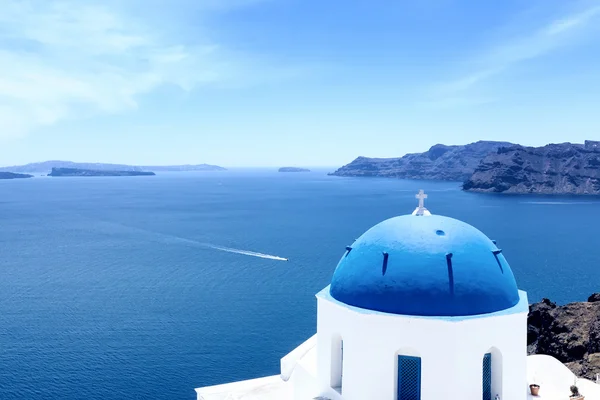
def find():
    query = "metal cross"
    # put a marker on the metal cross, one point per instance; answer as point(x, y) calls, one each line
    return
point(421, 196)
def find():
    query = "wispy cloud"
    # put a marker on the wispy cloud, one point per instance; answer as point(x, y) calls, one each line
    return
point(66, 58)
point(458, 101)
point(558, 33)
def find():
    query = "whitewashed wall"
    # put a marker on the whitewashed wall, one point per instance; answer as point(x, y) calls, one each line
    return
point(451, 353)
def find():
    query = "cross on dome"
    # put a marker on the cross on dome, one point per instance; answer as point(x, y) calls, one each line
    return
point(421, 196)
point(421, 210)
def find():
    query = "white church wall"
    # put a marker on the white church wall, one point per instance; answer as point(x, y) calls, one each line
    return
point(505, 337)
point(371, 345)
point(304, 377)
point(451, 353)
point(289, 362)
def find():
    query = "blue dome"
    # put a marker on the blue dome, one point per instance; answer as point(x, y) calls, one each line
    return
point(425, 265)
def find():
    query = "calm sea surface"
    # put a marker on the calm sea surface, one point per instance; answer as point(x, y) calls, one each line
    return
point(110, 289)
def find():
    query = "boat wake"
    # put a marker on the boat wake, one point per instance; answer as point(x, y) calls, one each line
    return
point(245, 252)
point(167, 238)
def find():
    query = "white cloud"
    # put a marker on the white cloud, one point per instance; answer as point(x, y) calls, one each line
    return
point(572, 22)
point(558, 33)
point(67, 58)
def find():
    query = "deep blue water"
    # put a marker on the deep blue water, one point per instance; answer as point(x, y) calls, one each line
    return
point(106, 291)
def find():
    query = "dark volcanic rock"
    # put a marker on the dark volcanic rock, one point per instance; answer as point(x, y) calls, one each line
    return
point(553, 169)
point(539, 315)
point(11, 175)
point(441, 162)
point(594, 298)
point(89, 172)
point(570, 333)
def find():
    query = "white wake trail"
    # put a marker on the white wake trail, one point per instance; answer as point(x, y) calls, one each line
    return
point(222, 248)
point(168, 238)
point(246, 252)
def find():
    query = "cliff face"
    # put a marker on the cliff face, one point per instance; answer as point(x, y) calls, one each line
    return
point(570, 333)
point(553, 169)
point(440, 162)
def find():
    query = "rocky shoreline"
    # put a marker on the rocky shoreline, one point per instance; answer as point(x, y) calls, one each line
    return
point(570, 333)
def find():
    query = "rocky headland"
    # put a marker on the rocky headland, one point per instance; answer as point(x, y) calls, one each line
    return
point(11, 175)
point(293, 169)
point(59, 172)
point(570, 333)
point(564, 168)
point(440, 162)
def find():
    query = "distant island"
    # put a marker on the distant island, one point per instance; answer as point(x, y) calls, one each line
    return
point(89, 172)
point(10, 175)
point(440, 162)
point(564, 168)
point(293, 169)
point(47, 166)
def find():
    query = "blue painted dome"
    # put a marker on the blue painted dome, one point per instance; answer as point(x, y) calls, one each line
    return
point(427, 266)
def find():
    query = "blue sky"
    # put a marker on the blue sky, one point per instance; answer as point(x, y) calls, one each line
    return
point(291, 82)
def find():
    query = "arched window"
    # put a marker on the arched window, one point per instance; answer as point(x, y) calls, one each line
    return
point(337, 363)
point(487, 376)
point(491, 374)
point(409, 377)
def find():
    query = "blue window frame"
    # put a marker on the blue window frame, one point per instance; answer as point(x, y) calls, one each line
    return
point(409, 378)
point(487, 377)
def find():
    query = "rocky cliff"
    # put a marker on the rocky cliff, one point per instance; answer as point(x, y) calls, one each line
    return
point(570, 333)
point(553, 169)
point(440, 162)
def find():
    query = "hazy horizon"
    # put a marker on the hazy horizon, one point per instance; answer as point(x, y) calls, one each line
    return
point(258, 166)
point(269, 83)
point(239, 167)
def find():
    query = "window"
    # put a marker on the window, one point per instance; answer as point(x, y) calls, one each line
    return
point(337, 363)
point(487, 376)
point(409, 378)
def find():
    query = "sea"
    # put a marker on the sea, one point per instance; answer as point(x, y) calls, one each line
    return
point(149, 287)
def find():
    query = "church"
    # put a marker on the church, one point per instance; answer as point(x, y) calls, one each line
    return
point(420, 307)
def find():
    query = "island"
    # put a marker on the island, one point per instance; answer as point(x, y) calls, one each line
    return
point(564, 168)
point(293, 169)
point(46, 166)
point(440, 162)
point(56, 172)
point(11, 175)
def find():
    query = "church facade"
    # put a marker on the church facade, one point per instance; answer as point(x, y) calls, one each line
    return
point(420, 307)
